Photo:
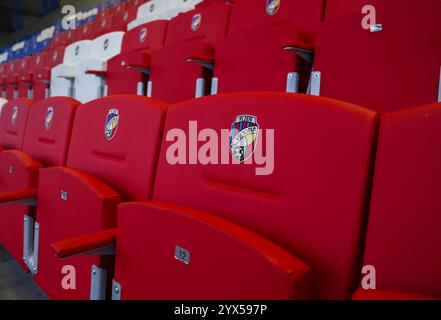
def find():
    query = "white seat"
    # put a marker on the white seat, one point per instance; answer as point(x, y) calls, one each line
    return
point(63, 75)
point(88, 87)
point(161, 10)
point(148, 12)
point(3, 101)
point(172, 4)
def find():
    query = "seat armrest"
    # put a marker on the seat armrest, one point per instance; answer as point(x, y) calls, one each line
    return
point(185, 241)
point(139, 61)
point(27, 197)
point(98, 243)
point(204, 61)
point(99, 73)
point(22, 171)
point(304, 50)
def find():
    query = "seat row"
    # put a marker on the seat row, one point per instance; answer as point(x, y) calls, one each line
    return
point(237, 196)
point(222, 48)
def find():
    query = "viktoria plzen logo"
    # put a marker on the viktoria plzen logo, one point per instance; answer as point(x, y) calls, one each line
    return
point(196, 22)
point(244, 136)
point(272, 6)
point(142, 34)
point(112, 121)
point(14, 115)
point(49, 117)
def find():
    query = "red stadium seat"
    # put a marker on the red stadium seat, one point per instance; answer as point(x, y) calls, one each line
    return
point(377, 68)
point(122, 19)
point(112, 157)
point(12, 80)
point(135, 3)
point(86, 32)
point(41, 80)
point(27, 78)
point(251, 58)
point(64, 38)
point(42, 140)
point(137, 43)
point(4, 67)
point(22, 74)
point(13, 123)
point(300, 222)
point(102, 26)
point(192, 34)
point(403, 235)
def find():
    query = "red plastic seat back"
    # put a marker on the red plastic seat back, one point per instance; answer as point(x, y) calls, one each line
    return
point(207, 24)
point(58, 40)
point(71, 36)
point(37, 61)
point(149, 36)
point(366, 68)
point(116, 139)
point(85, 32)
point(251, 58)
point(4, 69)
point(11, 79)
point(122, 18)
point(145, 38)
point(312, 198)
point(255, 60)
point(14, 67)
point(403, 237)
point(54, 57)
point(189, 34)
point(248, 14)
point(135, 3)
point(49, 129)
point(23, 67)
point(103, 25)
point(13, 121)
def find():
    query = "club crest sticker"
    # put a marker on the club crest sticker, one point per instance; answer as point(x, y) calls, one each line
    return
point(14, 115)
point(49, 117)
point(244, 136)
point(196, 22)
point(112, 121)
point(142, 34)
point(272, 6)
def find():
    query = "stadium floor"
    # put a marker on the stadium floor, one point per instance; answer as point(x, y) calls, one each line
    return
point(15, 283)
